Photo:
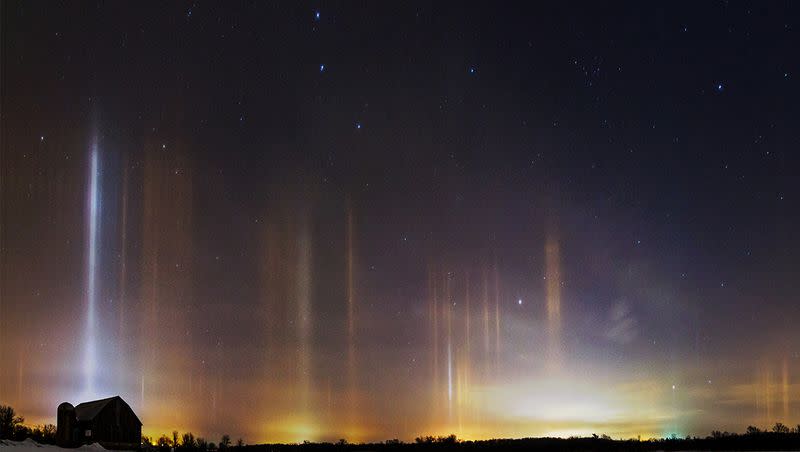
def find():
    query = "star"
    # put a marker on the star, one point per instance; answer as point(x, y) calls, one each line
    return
point(471, 70)
point(720, 87)
point(321, 67)
point(358, 125)
point(316, 15)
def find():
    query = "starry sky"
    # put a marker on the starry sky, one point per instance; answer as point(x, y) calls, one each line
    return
point(295, 221)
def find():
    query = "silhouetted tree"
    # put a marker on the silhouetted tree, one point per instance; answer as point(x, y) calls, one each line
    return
point(240, 442)
point(175, 438)
point(780, 428)
point(751, 430)
point(202, 444)
point(147, 441)
point(43, 434)
point(224, 442)
point(188, 441)
point(164, 441)
point(9, 422)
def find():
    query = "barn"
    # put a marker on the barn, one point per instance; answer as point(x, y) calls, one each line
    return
point(110, 422)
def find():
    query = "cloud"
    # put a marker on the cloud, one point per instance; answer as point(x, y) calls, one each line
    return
point(622, 325)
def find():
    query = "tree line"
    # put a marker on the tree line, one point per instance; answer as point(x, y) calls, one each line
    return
point(12, 426)
point(188, 442)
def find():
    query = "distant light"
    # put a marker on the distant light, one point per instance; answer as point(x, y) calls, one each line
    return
point(41, 138)
point(519, 302)
point(358, 125)
point(472, 70)
point(321, 67)
point(163, 146)
point(720, 87)
point(673, 386)
point(316, 15)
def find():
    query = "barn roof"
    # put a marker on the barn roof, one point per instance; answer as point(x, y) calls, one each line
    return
point(88, 410)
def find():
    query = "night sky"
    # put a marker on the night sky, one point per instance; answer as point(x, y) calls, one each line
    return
point(295, 221)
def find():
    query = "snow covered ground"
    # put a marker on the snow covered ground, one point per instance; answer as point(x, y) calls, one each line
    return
point(30, 445)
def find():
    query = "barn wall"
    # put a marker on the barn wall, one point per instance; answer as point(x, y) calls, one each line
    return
point(116, 427)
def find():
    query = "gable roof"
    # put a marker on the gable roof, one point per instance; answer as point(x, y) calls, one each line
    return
point(87, 411)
